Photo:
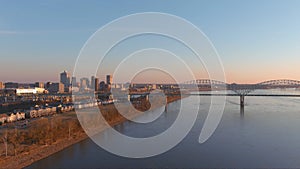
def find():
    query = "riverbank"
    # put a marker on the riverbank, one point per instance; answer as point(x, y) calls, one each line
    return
point(38, 152)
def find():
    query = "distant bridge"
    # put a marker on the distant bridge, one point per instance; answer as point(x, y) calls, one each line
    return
point(281, 83)
point(271, 83)
point(243, 90)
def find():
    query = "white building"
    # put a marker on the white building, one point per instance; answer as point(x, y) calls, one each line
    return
point(30, 91)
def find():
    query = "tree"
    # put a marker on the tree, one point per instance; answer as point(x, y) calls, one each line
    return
point(71, 125)
point(4, 138)
point(14, 139)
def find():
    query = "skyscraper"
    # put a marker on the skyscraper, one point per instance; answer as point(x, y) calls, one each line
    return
point(84, 83)
point(109, 79)
point(65, 79)
point(92, 82)
point(74, 82)
point(96, 84)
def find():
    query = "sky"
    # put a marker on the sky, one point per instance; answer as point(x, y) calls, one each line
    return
point(257, 40)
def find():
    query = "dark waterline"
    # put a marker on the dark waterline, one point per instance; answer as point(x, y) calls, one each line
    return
point(265, 135)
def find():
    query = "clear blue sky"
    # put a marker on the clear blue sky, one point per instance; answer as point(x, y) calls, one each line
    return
point(257, 40)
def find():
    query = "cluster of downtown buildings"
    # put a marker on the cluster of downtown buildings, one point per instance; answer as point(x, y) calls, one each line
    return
point(69, 84)
point(64, 86)
point(10, 90)
point(85, 83)
point(44, 99)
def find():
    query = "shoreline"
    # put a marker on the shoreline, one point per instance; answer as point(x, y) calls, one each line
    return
point(40, 152)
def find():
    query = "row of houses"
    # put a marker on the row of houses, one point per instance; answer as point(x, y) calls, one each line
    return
point(12, 117)
point(43, 111)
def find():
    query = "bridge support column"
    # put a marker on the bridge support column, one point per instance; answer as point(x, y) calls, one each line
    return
point(242, 100)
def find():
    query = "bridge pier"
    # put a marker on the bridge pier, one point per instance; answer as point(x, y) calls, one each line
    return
point(242, 100)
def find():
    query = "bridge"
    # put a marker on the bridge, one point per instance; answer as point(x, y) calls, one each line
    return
point(281, 83)
point(243, 90)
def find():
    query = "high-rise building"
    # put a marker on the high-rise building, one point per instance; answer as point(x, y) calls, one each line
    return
point(2, 85)
point(84, 83)
point(92, 82)
point(96, 84)
point(74, 82)
point(102, 85)
point(109, 79)
point(65, 79)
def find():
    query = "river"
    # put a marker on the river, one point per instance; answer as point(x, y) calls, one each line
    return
point(266, 135)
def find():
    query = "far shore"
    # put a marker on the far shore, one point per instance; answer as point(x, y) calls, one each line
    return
point(37, 153)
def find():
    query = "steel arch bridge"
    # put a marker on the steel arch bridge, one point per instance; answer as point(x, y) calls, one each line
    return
point(280, 83)
point(270, 83)
point(205, 82)
point(244, 89)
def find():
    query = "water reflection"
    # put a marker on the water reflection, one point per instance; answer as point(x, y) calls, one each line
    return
point(242, 111)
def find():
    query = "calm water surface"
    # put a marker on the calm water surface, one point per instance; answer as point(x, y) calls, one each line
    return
point(266, 135)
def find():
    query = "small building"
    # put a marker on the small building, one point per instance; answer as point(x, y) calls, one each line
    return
point(33, 113)
point(3, 118)
point(11, 85)
point(55, 87)
point(2, 85)
point(12, 118)
point(20, 116)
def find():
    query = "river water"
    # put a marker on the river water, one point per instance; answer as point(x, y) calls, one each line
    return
point(265, 135)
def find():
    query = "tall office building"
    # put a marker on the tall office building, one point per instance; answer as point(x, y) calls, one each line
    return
point(102, 85)
point(92, 82)
point(74, 82)
point(65, 79)
point(84, 83)
point(97, 84)
point(109, 79)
